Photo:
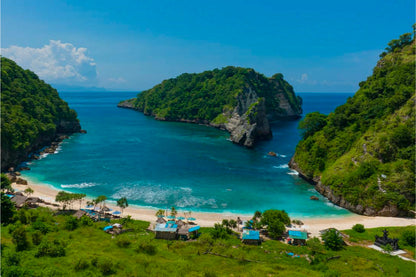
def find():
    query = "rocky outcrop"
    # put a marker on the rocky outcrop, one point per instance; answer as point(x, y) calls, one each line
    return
point(339, 200)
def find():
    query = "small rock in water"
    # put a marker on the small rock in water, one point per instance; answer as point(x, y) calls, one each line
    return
point(272, 154)
point(24, 168)
point(83, 131)
point(314, 198)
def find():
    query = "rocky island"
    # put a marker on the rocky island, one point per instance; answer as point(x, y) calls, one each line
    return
point(361, 156)
point(239, 100)
point(32, 115)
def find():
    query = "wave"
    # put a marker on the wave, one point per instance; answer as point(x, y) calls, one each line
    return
point(180, 197)
point(79, 186)
point(282, 166)
point(293, 172)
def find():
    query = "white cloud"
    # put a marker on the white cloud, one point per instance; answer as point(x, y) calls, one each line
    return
point(56, 62)
point(303, 78)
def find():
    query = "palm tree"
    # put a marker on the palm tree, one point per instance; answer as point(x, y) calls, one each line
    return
point(160, 213)
point(233, 223)
point(29, 191)
point(173, 211)
point(100, 200)
point(122, 203)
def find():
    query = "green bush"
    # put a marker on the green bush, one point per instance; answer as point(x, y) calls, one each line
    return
point(409, 238)
point(106, 266)
point(145, 247)
point(54, 248)
point(19, 238)
point(123, 241)
point(333, 240)
point(359, 228)
point(81, 263)
point(86, 221)
point(36, 237)
point(71, 223)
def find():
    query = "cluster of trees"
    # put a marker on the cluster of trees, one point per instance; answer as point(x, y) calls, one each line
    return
point(370, 136)
point(67, 198)
point(31, 111)
point(205, 96)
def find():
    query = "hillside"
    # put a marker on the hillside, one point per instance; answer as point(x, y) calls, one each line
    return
point(236, 99)
point(361, 156)
point(32, 114)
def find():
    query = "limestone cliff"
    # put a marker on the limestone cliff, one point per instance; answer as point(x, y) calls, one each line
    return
point(238, 100)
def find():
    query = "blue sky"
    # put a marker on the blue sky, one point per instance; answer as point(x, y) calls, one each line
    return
point(319, 46)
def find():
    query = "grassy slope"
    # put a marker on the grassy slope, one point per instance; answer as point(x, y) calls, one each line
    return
point(188, 259)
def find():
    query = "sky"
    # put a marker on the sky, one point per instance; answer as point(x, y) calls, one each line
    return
point(319, 46)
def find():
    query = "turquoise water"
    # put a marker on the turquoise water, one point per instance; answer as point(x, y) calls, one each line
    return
point(163, 164)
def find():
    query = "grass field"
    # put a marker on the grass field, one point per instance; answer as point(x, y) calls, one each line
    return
point(89, 251)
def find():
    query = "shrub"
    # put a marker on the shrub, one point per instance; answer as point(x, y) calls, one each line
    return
point(409, 238)
point(220, 232)
point(51, 249)
point(106, 266)
point(36, 237)
point(19, 238)
point(359, 228)
point(123, 242)
point(333, 240)
point(40, 226)
point(12, 258)
point(81, 263)
point(315, 246)
point(85, 221)
point(145, 247)
point(71, 223)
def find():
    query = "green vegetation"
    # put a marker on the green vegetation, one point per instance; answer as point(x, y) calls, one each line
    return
point(67, 198)
point(32, 113)
point(88, 251)
point(333, 240)
point(359, 228)
point(210, 95)
point(364, 150)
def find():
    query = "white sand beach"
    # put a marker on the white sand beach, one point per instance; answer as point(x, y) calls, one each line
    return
point(312, 225)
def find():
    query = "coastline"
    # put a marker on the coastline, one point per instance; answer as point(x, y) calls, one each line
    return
point(207, 219)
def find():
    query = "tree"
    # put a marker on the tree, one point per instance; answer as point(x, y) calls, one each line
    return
point(100, 200)
point(409, 238)
point(8, 209)
point(80, 197)
point(257, 215)
point(173, 211)
point(333, 240)
point(276, 228)
point(29, 191)
point(271, 215)
point(19, 238)
point(71, 223)
point(312, 123)
point(5, 183)
point(122, 203)
point(160, 213)
point(64, 198)
point(233, 223)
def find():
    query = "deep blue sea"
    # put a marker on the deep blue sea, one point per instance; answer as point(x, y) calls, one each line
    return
point(192, 167)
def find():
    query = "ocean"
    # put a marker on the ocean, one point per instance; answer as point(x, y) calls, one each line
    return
point(194, 168)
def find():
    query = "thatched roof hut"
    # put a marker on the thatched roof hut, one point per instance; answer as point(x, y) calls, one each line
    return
point(19, 200)
point(160, 220)
point(78, 214)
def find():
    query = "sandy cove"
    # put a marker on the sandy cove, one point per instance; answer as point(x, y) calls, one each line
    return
point(312, 225)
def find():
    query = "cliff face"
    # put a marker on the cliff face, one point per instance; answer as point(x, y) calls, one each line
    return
point(238, 100)
point(361, 156)
point(32, 115)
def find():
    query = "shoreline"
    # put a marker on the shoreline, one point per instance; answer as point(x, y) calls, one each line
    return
point(208, 219)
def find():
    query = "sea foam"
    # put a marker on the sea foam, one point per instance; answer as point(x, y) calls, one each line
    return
point(79, 186)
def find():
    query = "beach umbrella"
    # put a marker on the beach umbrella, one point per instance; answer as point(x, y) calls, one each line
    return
point(171, 217)
point(107, 209)
point(171, 222)
point(191, 218)
point(180, 218)
point(116, 212)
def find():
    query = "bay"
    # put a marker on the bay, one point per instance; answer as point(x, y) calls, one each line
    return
point(162, 164)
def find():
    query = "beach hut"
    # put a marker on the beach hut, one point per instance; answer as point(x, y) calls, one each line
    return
point(160, 220)
point(251, 237)
point(298, 237)
point(186, 233)
point(166, 231)
point(78, 214)
point(19, 200)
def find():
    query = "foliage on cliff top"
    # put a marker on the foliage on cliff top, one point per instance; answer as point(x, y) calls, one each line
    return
point(30, 108)
point(204, 96)
point(365, 149)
